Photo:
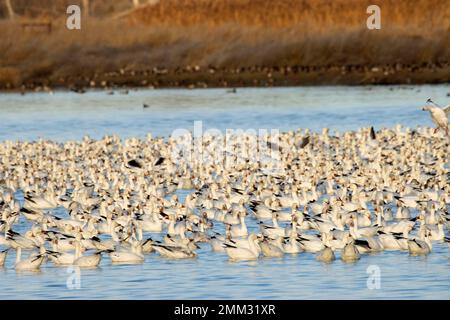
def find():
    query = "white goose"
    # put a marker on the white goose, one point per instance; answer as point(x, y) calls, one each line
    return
point(133, 256)
point(357, 232)
point(437, 231)
point(261, 211)
point(368, 244)
point(91, 261)
point(268, 249)
point(32, 263)
point(217, 243)
point(241, 253)
point(273, 230)
point(420, 246)
point(438, 115)
point(40, 203)
point(311, 244)
point(63, 258)
point(239, 230)
point(174, 252)
point(393, 241)
point(291, 245)
point(150, 224)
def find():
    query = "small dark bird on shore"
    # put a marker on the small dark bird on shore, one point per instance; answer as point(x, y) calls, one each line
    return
point(372, 133)
point(304, 142)
point(145, 106)
point(78, 90)
point(232, 90)
point(134, 164)
point(159, 161)
point(273, 146)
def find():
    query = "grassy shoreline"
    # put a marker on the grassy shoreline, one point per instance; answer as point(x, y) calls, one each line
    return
point(266, 77)
point(228, 43)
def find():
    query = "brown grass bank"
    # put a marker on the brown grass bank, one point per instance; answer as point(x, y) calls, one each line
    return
point(236, 42)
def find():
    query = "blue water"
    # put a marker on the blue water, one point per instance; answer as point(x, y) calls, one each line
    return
point(66, 115)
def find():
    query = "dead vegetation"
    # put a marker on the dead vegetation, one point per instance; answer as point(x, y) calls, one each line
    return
point(230, 34)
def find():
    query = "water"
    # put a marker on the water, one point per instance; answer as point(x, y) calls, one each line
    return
point(66, 115)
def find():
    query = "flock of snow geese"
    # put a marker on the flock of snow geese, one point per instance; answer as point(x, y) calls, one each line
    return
point(343, 194)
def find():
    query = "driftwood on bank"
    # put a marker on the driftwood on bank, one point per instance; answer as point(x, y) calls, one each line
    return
point(10, 9)
point(136, 6)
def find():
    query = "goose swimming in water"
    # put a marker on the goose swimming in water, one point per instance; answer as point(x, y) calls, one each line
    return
point(326, 255)
point(174, 252)
point(268, 249)
point(420, 246)
point(350, 253)
point(90, 261)
point(291, 245)
point(244, 253)
point(369, 244)
point(239, 230)
point(32, 263)
point(128, 198)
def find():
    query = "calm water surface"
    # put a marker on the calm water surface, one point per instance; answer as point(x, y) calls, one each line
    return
point(64, 116)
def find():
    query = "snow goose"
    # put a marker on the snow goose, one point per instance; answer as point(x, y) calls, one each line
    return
point(32, 263)
point(239, 230)
point(128, 257)
point(180, 242)
point(17, 240)
point(357, 232)
point(392, 241)
point(91, 261)
point(261, 211)
point(386, 213)
point(368, 244)
point(436, 231)
point(400, 227)
point(32, 215)
point(407, 201)
point(319, 208)
point(350, 253)
point(291, 245)
point(240, 253)
point(147, 245)
point(273, 230)
point(232, 218)
point(438, 115)
point(63, 258)
point(35, 202)
point(291, 229)
point(336, 240)
point(311, 244)
point(420, 246)
point(217, 242)
point(268, 249)
point(173, 252)
point(149, 224)
point(326, 255)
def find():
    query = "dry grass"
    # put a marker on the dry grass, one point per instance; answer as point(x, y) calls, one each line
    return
point(233, 33)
